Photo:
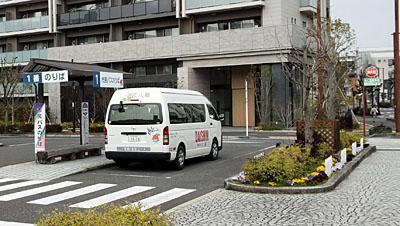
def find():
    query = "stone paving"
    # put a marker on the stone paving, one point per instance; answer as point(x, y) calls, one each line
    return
point(369, 196)
point(36, 171)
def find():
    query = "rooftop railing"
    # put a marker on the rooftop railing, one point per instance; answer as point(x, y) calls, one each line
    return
point(23, 56)
point(24, 24)
point(116, 12)
point(195, 4)
point(308, 3)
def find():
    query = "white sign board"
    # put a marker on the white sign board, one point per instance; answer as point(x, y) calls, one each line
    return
point(85, 122)
point(328, 166)
point(343, 156)
point(40, 127)
point(108, 80)
point(362, 143)
point(46, 77)
point(354, 148)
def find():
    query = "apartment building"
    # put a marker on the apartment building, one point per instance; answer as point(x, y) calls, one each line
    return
point(204, 45)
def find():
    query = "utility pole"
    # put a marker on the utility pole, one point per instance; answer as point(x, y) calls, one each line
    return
point(319, 54)
point(396, 68)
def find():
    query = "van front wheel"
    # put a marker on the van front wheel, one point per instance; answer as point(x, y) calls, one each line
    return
point(180, 158)
point(214, 151)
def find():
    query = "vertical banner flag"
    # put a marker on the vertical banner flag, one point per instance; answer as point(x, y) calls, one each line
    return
point(40, 127)
point(85, 122)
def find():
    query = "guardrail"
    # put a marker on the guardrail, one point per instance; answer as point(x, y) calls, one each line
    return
point(23, 56)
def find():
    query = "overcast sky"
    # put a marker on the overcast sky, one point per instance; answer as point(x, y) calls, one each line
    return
point(373, 20)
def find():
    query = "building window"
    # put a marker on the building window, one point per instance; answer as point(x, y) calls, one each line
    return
point(174, 31)
point(304, 24)
point(90, 39)
point(227, 25)
point(159, 69)
point(171, 31)
point(38, 45)
point(32, 14)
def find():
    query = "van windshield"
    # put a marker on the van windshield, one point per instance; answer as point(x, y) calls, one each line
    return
point(135, 114)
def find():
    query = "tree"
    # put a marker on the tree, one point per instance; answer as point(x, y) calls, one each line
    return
point(9, 78)
point(263, 89)
point(337, 43)
point(300, 66)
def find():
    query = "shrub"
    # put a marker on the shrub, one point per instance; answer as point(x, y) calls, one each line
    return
point(28, 127)
point(53, 128)
point(107, 215)
point(269, 126)
point(348, 138)
point(280, 165)
point(2, 129)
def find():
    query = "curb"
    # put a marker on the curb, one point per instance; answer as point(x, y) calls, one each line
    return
point(328, 186)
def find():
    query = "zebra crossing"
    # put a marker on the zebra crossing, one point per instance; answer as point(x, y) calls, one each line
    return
point(73, 192)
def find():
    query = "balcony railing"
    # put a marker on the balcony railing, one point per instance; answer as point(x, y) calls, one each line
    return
point(23, 56)
point(24, 24)
point(116, 12)
point(195, 4)
point(308, 3)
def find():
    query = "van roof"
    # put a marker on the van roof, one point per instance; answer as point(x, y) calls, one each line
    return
point(163, 90)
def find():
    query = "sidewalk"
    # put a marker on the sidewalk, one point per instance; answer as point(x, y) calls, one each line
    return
point(367, 197)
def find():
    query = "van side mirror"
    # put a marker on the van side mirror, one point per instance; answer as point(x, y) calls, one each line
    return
point(221, 117)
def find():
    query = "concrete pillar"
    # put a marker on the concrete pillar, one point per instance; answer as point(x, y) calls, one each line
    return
point(54, 91)
point(116, 32)
point(194, 79)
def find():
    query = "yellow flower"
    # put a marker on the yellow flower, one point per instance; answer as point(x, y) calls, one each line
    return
point(348, 149)
point(321, 168)
point(296, 180)
point(314, 173)
point(271, 184)
point(334, 160)
point(323, 163)
point(305, 178)
point(256, 182)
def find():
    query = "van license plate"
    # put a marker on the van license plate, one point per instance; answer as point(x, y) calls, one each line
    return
point(133, 138)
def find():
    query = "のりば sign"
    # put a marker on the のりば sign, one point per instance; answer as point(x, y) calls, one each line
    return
point(40, 127)
point(46, 77)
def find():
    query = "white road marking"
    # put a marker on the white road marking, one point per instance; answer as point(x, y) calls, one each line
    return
point(7, 223)
point(71, 194)
point(7, 180)
point(21, 184)
point(162, 198)
point(36, 191)
point(112, 197)
point(130, 175)
point(16, 145)
point(240, 142)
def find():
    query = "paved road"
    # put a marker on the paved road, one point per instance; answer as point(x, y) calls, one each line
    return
point(20, 149)
point(150, 183)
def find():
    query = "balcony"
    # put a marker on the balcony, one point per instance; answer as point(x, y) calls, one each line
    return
point(308, 7)
point(116, 12)
point(24, 24)
point(24, 56)
point(194, 6)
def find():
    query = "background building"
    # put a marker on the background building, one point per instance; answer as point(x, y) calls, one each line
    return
point(204, 45)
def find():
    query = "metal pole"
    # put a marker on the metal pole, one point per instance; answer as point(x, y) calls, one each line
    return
point(319, 43)
point(247, 108)
point(364, 106)
point(396, 68)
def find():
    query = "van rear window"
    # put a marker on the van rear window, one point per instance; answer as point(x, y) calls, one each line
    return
point(135, 114)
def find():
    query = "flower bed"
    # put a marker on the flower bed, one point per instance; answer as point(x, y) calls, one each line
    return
point(294, 166)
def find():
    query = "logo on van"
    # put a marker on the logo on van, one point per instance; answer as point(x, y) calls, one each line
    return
point(201, 135)
point(156, 138)
point(151, 130)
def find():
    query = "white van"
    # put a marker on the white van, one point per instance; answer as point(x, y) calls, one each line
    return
point(161, 124)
